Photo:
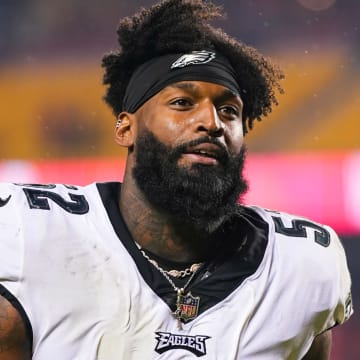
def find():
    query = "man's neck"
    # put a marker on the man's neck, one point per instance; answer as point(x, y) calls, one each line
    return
point(160, 233)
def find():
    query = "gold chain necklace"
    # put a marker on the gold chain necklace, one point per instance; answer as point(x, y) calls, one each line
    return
point(174, 273)
point(187, 306)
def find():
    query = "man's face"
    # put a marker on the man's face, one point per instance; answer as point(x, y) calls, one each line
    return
point(189, 153)
point(189, 110)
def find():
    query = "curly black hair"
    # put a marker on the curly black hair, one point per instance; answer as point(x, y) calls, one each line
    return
point(176, 26)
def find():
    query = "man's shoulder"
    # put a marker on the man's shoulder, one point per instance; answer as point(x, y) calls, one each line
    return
point(300, 243)
point(305, 254)
point(33, 216)
point(20, 203)
point(285, 232)
point(294, 227)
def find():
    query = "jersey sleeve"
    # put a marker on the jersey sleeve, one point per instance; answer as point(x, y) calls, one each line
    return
point(312, 269)
point(343, 308)
point(11, 247)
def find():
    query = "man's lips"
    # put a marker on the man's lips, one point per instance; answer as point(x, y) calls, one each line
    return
point(207, 153)
point(206, 149)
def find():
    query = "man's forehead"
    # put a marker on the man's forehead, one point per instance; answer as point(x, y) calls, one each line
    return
point(158, 73)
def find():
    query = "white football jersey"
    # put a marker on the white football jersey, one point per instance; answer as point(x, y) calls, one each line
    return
point(86, 292)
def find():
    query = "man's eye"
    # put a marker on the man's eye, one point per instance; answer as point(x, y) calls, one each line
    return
point(229, 111)
point(181, 102)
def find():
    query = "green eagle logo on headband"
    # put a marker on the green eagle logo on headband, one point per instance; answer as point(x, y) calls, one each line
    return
point(194, 58)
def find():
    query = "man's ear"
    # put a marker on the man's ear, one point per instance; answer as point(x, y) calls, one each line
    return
point(125, 131)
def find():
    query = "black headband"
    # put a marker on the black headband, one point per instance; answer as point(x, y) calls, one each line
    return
point(162, 71)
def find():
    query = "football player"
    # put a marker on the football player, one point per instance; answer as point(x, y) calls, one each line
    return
point(169, 264)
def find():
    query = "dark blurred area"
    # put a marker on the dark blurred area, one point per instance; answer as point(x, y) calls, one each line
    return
point(51, 86)
point(39, 29)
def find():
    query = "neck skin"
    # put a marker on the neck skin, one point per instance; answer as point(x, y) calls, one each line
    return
point(156, 231)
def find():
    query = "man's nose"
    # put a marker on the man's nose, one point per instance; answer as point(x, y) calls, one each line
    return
point(209, 121)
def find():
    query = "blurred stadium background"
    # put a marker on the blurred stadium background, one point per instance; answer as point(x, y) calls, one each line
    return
point(304, 158)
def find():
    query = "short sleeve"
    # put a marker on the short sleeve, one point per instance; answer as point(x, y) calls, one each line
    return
point(313, 271)
point(342, 282)
point(11, 249)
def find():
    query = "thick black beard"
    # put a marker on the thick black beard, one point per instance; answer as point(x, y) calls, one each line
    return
point(201, 196)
